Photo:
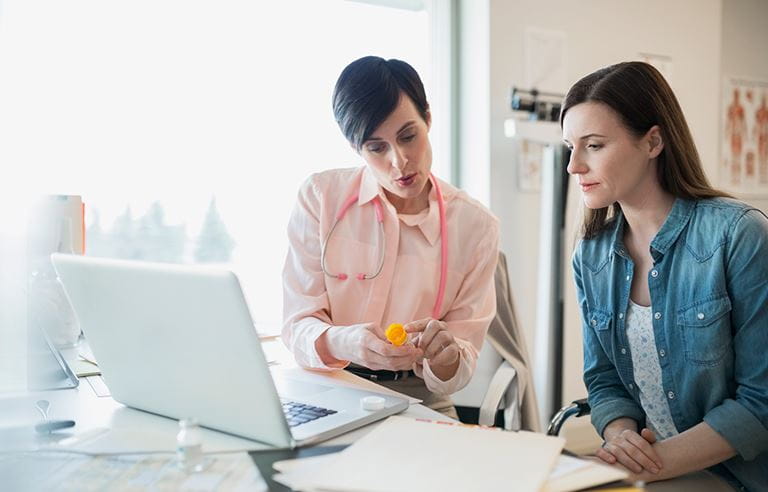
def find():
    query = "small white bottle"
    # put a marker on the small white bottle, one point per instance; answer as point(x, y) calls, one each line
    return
point(189, 446)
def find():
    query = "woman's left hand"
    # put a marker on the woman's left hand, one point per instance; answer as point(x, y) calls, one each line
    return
point(438, 345)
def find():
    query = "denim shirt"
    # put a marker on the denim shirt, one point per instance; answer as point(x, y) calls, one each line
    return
point(709, 298)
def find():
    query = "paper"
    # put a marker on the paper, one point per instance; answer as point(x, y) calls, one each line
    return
point(84, 368)
point(575, 474)
point(300, 474)
point(569, 474)
point(469, 458)
point(545, 60)
point(63, 471)
point(98, 385)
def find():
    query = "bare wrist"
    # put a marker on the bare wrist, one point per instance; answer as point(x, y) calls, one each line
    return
point(616, 427)
point(444, 373)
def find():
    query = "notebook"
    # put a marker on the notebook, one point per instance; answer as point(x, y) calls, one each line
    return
point(179, 341)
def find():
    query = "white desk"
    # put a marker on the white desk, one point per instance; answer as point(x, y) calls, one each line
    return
point(155, 433)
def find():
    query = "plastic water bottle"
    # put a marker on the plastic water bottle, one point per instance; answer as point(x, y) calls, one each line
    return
point(50, 307)
point(189, 446)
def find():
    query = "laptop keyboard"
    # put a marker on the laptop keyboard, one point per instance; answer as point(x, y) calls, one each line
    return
point(300, 413)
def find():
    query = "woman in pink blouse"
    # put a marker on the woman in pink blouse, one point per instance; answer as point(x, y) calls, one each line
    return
point(385, 243)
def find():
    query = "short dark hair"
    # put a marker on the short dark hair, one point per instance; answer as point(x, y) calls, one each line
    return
point(367, 92)
point(641, 97)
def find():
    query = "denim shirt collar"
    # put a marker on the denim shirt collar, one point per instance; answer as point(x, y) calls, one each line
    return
point(674, 224)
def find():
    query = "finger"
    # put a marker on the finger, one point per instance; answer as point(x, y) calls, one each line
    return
point(386, 349)
point(372, 360)
point(404, 363)
point(371, 327)
point(623, 458)
point(376, 361)
point(447, 357)
point(416, 326)
point(605, 456)
point(645, 454)
point(648, 435)
point(430, 332)
point(441, 341)
point(639, 457)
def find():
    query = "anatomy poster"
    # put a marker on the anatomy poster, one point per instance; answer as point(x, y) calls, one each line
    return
point(529, 169)
point(744, 143)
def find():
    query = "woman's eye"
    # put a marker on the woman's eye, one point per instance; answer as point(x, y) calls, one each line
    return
point(595, 146)
point(408, 138)
point(376, 149)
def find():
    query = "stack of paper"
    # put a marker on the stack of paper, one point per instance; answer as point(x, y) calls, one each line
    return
point(406, 454)
point(576, 474)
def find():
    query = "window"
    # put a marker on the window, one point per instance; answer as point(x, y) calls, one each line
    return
point(188, 126)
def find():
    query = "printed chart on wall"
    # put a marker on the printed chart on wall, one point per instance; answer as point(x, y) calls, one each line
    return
point(744, 143)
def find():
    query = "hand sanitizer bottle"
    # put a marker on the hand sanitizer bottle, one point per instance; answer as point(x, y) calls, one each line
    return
point(189, 446)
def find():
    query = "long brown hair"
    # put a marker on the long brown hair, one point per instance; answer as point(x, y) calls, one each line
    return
point(641, 97)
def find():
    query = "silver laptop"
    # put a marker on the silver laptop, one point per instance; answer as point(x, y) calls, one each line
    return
point(179, 341)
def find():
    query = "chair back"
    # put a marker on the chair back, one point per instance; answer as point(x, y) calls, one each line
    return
point(507, 338)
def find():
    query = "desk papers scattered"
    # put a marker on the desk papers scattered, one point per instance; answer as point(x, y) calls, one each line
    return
point(569, 474)
point(64, 471)
point(411, 454)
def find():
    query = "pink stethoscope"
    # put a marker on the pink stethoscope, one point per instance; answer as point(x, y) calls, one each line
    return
point(380, 219)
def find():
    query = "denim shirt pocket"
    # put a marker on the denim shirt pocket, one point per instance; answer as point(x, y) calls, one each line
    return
point(706, 330)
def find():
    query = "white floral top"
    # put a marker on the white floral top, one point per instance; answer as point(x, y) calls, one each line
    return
point(647, 371)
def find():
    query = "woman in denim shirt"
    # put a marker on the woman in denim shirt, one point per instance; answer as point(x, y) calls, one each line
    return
point(672, 283)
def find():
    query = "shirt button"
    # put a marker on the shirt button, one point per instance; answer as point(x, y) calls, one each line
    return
point(627, 278)
point(700, 315)
point(621, 315)
point(593, 322)
point(662, 352)
point(631, 386)
point(623, 351)
point(657, 315)
point(654, 273)
point(671, 395)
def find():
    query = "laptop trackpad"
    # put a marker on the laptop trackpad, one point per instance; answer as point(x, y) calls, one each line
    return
point(296, 390)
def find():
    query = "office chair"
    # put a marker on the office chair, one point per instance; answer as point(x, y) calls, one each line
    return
point(502, 387)
point(577, 408)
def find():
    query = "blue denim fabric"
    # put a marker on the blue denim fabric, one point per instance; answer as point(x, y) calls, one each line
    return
point(709, 294)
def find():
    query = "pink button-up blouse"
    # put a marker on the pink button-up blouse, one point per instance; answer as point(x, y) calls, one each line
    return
point(407, 286)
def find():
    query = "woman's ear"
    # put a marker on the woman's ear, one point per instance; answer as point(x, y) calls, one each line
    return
point(429, 119)
point(655, 141)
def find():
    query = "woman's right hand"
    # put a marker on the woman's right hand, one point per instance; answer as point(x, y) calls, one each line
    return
point(362, 345)
point(625, 446)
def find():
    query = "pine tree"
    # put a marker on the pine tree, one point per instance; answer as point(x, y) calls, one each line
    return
point(158, 241)
point(123, 236)
point(214, 244)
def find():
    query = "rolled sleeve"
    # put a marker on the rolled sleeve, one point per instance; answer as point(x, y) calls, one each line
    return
point(739, 427)
point(743, 420)
point(467, 364)
point(304, 346)
point(606, 411)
